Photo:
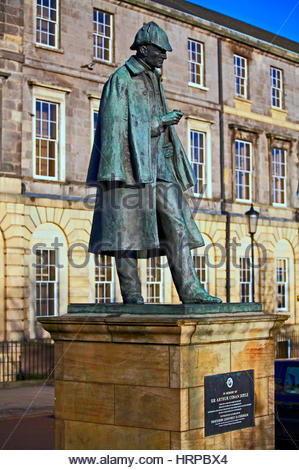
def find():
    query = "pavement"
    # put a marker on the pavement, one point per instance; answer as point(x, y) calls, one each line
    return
point(27, 417)
point(27, 400)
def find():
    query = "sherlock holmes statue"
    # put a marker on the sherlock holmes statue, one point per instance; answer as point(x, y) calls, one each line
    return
point(141, 170)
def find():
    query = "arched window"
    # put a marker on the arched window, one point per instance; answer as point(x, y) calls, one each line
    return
point(155, 280)
point(241, 259)
point(48, 273)
point(284, 276)
point(104, 279)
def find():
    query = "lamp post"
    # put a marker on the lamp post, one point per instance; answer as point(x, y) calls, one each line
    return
point(252, 217)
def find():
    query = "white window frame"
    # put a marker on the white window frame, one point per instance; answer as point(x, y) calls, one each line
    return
point(202, 126)
point(284, 283)
point(201, 267)
point(279, 177)
point(237, 171)
point(56, 23)
point(199, 164)
point(110, 38)
point(48, 140)
point(276, 88)
point(244, 77)
point(55, 282)
point(201, 64)
point(94, 108)
point(159, 284)
point(105, 266)
point(57, 97)
point(245, 266)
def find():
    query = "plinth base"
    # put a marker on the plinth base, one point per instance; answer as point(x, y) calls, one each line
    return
point(125, 379)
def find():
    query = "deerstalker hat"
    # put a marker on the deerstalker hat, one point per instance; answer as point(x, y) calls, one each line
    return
point(151, 33)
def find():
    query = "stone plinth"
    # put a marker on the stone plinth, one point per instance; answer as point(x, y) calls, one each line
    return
point(128, 379)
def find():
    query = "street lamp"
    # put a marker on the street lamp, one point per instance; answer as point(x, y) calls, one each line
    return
point(252, 217)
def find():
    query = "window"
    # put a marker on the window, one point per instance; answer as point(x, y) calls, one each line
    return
point(279, 171)
point(282, 283)
point(104, 279)
point(94, 121)
point(245, 280)
point(46, 282)
point(243, 170)
point(200, 264)
point(198, 160)
point(240, 73)
point(47, 23)
point(200, 155)
point(94, 103)
point(154, 280)
point(48, 128)
point(102, 35)
point(46, 139)
point(276, 87)
point(196, 63)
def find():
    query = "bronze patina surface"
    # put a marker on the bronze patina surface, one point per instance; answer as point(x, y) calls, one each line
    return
point(141, 171)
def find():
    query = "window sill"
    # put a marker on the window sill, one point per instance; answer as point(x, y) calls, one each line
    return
point(104, 62)
point(46, 179)
point(279, 114)
point(49, 48)
point(276, 204)
point(200, 87)
point(243, 201)
point(241, 98)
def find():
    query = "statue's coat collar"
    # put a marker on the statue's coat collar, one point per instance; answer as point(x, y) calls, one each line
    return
point(136, 67)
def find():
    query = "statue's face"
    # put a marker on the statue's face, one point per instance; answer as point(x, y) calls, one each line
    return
point(153, 55)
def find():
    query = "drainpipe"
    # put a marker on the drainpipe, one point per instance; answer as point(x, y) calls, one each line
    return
point(222, 186)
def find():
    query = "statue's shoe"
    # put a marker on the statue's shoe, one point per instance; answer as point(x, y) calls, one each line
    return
point(202, 298)
point(133, 299)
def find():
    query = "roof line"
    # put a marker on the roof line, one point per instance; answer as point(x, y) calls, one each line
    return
point(232, 23)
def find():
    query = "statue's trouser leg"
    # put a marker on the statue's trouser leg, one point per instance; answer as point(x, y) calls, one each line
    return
point(128, 277)
point(176, 244)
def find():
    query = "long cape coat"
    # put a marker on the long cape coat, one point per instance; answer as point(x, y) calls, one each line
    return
point(121, 166)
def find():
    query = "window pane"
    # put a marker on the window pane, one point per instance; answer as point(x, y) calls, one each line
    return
point(154, 280)
point(197, 151)
point(195, 52)
point(46, 283)
point(243, 171)
point(46, 22)
point(245, 280)
point(278, 176)
point(102, 35)
point(282, 286)
point(46, 148)
point(104, 279)
point(240, 76)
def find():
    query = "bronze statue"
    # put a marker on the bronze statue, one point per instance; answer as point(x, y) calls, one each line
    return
point(141, 170)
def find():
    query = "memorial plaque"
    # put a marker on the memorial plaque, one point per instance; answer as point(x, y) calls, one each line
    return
point(229, 402)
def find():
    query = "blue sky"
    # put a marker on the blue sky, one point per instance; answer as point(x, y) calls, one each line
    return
point(279, 17)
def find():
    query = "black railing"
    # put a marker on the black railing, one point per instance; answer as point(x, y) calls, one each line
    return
point(287, 345)
point(26, 360)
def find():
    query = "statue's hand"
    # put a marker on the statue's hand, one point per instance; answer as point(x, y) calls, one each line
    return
point(172, 118)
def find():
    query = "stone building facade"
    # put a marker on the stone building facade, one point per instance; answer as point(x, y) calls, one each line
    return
point(239, 95)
